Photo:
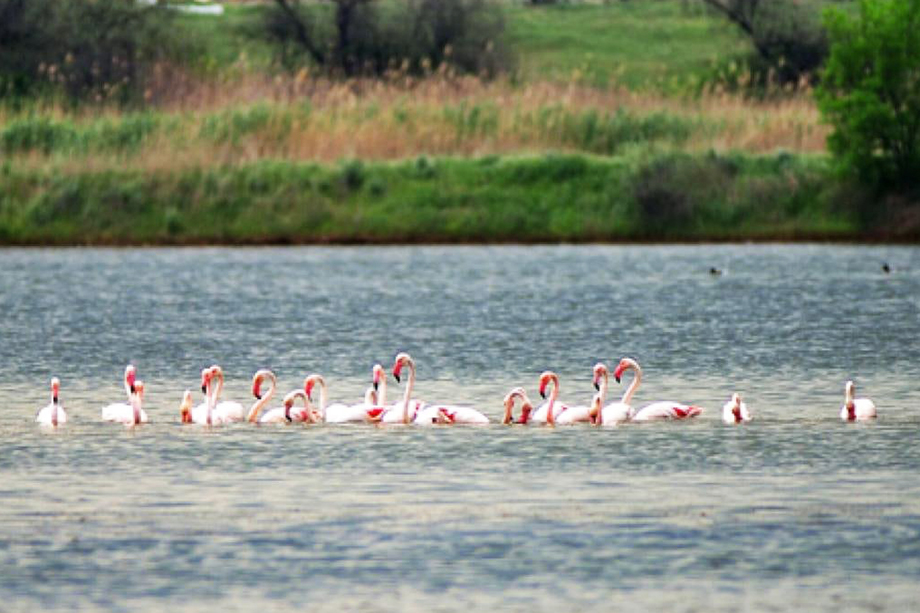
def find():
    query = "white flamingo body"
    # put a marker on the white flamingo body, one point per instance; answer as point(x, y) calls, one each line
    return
point(666, 409)
point(657, 411)
point(573, 415)
point(339, 412)
point(856, 409)
point(53, 413)
point(129, 415)
point(541, 413)
point(735, 411)
point(227, 411)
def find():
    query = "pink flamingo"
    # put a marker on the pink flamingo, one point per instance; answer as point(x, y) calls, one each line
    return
point(657, 410)
point(53, 413)
point(129, 414)
point(856, 409)
point(552, 412)
point(615, 412)
point(509, 401)
point(735, 411)
point(429, 414)
point(227, 411)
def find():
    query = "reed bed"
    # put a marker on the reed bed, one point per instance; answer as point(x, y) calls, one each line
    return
point(303, 118)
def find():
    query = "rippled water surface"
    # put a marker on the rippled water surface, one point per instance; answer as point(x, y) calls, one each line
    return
point(796, 511)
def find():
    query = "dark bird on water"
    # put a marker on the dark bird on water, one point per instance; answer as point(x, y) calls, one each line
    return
point(886, 268)
point(715, 272)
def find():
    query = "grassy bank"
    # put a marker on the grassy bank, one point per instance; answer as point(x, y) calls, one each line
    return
point(489, 199)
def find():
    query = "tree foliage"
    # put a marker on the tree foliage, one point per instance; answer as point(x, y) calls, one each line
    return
point(85, 48)
point(786, 34)
point(360, 37)
point(870, 90)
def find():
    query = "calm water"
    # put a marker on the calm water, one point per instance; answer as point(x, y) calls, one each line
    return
point(795, 511)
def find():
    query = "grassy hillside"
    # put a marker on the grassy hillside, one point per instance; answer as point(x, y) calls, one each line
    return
point(662, 44)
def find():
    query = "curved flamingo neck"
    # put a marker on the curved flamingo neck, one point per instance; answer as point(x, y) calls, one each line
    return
point(382, 391)
point(209, 399)
point(136, 407)
point(323, 397)
point(605, 383)
point(550, 418)
point(220, 385)
point(128, 386)
point(260, 403)
point(408, 393)
point(634, 384)
point(54, 405)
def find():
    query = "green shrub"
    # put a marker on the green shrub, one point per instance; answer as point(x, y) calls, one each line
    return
point(870, 91)
point(87, 49)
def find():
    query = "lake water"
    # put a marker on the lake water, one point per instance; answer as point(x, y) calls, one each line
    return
point(796, 511)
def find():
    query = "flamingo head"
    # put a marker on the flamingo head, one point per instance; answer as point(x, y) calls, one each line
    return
point(309, 383)
point(401, 360)
point(600, 372)
point(508, 403)
point(624, 364)
point(55, 389)
point(185, 408)
point(379, 375)
point(130, 375)
point(205, 379)
point(545, 378)
point(257, 388)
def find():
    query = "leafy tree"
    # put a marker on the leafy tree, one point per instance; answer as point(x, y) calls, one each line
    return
point(370, 37)
point(786, 34)
point(870, 90)
point(88, 49)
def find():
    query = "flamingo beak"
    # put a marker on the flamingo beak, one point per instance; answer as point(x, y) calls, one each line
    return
point(597, 386)
point(543, 389)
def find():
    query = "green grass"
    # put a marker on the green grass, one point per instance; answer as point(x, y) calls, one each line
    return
point(636, 44)
point(492, 199)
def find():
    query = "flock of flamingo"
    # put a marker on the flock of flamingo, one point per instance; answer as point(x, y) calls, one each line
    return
point(374, 408)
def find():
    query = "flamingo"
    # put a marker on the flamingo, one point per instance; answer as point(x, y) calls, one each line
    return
point(429, 414)
point(735, 411)
point(403, 412)
point(227, 411)
point(135, 415)
point(856, 409)
point(200, 414)
point(526, 406)
point(615, 412)
point(53, 414)
point(286, 413)
point(657, 410)
point(549, 412)
point(281, 414)
point(340, 413)
point(114, 411)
